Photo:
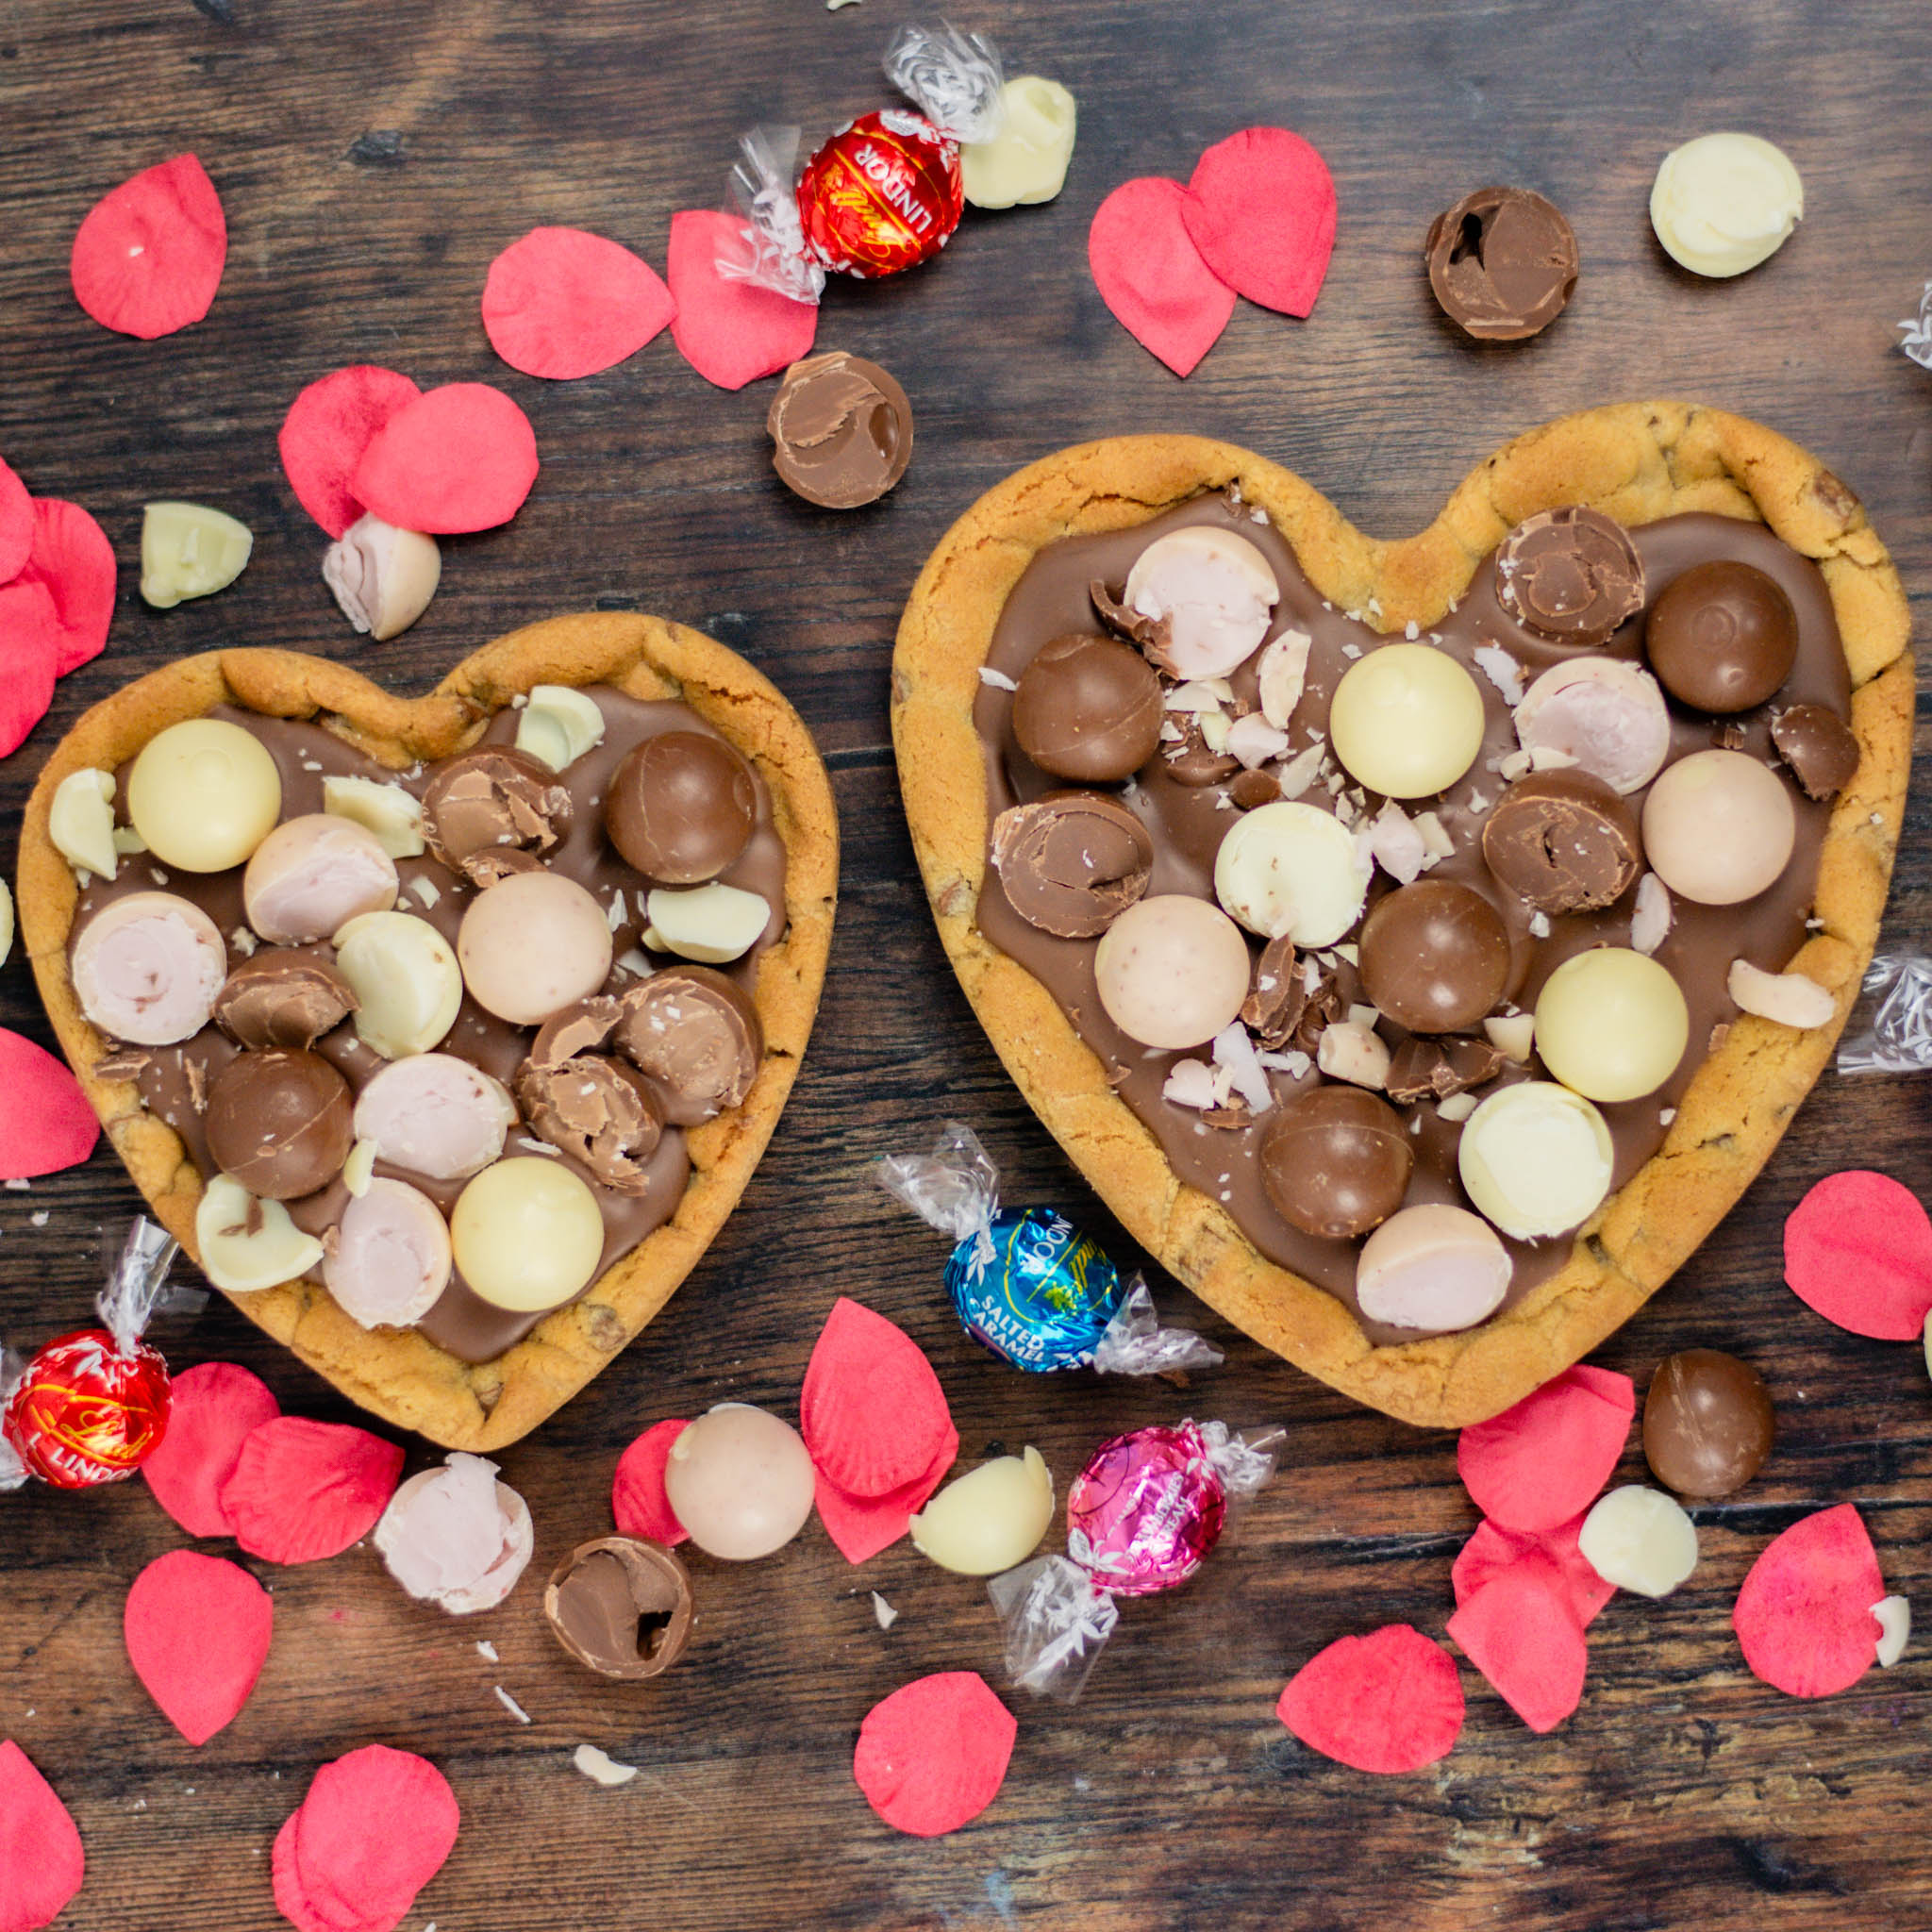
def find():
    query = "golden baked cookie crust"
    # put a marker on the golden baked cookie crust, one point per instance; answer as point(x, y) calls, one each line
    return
point(400, 1374)
point(1637, 462)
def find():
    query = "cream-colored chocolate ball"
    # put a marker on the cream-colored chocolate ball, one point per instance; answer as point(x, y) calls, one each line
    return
point(204, 794)
point(533, 945)
point(1536, 1159)
point(1407, 719)
point(1611, 1025)
point(311, 875)
point(527, 1234)
point(739, 1479)
point(1171, 971)
point(1719, 827)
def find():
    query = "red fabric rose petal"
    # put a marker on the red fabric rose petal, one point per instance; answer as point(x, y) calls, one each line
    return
point(197, 1630)
point(637, 1493)
point(16, 525)
point(1492, 1548)
point(564, 303)
point(457, 458)
point(1151, 275)
point(42, 1863)
point(1387, 1701)
point(214, 1409)
point(1859, 1251)
point(1519, 1630)
point(327, 429)
point(73, 560)
point(933, 1755)
point(47, 1124)
point(148, 258)
point(861, 1526)
point(375, 1827)
point(872, 1411)
point(290, 1900)
point(730, 332)
point(1260, 208)
point(29, 627)
point(301, 1490)
point(1544, 1461)
point(1803, 1616)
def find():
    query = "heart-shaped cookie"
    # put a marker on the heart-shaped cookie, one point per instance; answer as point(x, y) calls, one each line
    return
point(1635, 462)
point(398, 1373)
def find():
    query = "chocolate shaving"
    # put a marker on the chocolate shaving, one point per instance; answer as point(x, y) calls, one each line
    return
point(1155, 635)
point(1193, 763)
point(1273, 1008)
point(123, 1063)
point(1435, 1068)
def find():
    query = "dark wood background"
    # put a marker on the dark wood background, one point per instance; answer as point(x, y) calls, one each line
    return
point(373, 157)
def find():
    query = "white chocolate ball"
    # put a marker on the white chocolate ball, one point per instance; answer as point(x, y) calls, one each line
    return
point(390, 1259)
point(1611, 1025)
point(311, 875)
point(204, 794)
point(407, 983)
point(1606, 714)
point(527, 1234)
point(739, 1479)
point(1725, 202)
point(1719, 827)
point(1640, 1538)
point(1216, 590)
point(1536, 1159)
point(990, 1519)
point(1171, 971)
point(533, 945)
point(147, 968)
point(1291, 870)
point(435, 1115)
point(1407, 719)
point(1434, 1267)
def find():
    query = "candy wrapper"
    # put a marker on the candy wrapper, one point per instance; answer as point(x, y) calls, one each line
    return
point(1918, 332)
point(90, 1408)
point(1027, 1284)
point(1896, 1012)
point(1141, 1517)
point(883, 194)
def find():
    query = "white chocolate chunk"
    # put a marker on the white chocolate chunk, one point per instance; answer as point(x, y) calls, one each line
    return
point(81, 822)
point(1395, 842)
point(883, 1613)
point(360, 1169)
point(1725, 202)
point(1282, 671)
point(1894, 1615)
point(1651, 920)
point(1025, 162)
point(558, 725)
point(248, 1244)
point(1458, 1107)
point(392, 814)
point(599, 1766)
point(188, 550)
point(1640, 1540)
point(6, 923)
point(1254, 740)
point(1789, 998)
point(406, 981)
point(383, 577)
point(1350, 1052)
point(1190, 1084)
point(990, 1519)
point(710, 923)
point(129, 842)
point(1435, 840)
point(1536, 1159)
point(455, 1536)
point(1291, 870)
point(1511, 1034)
point(1217, 593)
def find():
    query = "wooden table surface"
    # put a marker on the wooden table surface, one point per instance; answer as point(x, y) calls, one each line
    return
point(373, 157)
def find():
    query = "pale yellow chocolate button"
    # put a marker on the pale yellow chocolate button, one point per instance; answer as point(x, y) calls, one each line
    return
point(1536, 1159)
point(405, 979)
point(247, 1245)
point(1723, 203)
point(559, 725)
point(392, 814)
point(1027, 160)
point(204, 794)
point(81, 822)
point(1611, 1025)
point(1291, 870)
point(188, 550)
point(711, 923)
point(1641, 1540)
point(990, 1519)
point(1406, 721)
point(526, 1234)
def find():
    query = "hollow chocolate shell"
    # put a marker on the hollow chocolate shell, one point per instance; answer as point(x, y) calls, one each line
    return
point(1563, 841)
point(282, 997)
point(1571, 574)
point(697, 1035)
point(1502, 262)
point(840, 430)
point(1072, 862)
point(620, 1606)
point(493, 811)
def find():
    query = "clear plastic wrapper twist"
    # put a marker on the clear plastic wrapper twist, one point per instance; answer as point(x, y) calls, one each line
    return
point(884, 193)
point(1141, 1517)
point(1918, 332)
point(1891, 1025)
point(1029, 1285)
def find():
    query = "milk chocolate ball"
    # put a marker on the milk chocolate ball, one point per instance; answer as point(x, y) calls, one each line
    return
point(1089, 708)
point(1434, 957)
point(279, 1123)
point(1336, 1162)
point(681, 807)
point(1708, 1423)
point(1723, 637)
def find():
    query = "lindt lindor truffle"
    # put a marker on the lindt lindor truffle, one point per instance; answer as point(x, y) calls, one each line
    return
point(435, 1115)
point(1708, 1423)
point(1336, 1161)
point(840, 430)
point(527, 1233)
point(283, 997)
point(1819, 748)
point(1502, 262)
point(681, 807)
point(1563, 841)
point(1721, 636)
point(390, 1256)
point(1605, 714)
point(188, 550)
point(1072, 862)
point(279, 1123)
point(1536, 1159)
point(739, 1479)
point(455, 1537)
point(599, 1110)
point(1141, 1517)
point(1089, 709)
point(1570, 574)
point(1433, 1267)
point(1289, 870)
point(989, 1519)
point(698, 1036)
point(311, 875)
point(620, 1606)
point(1027, 1284)
point(1434, 957)
point(533, 944)
point(493, 811)
point(1206, 597)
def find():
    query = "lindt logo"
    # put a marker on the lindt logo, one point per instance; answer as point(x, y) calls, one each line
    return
point(883, 171)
